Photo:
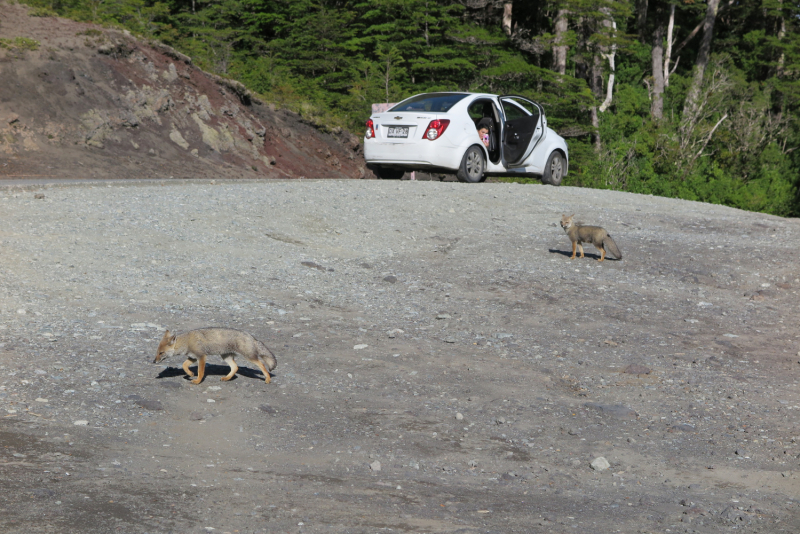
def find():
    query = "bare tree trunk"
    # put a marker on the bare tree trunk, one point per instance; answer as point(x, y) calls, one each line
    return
point(559, 50)
point(781, 34)
point(641, 19)
point(427, 37)
point(657, 56)
point(611, 65)
point(596, 84)
point(668, 55)
point(702, 56)
point(697, 29)
point(507, 9)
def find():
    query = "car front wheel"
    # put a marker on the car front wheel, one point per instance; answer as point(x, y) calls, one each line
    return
point(472, 166)
point(554, 170)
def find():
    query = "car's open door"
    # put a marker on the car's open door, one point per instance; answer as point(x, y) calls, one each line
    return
point(523, 127)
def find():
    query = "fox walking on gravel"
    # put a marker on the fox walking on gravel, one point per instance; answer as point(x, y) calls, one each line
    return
point(595, 235)
point(226, 342)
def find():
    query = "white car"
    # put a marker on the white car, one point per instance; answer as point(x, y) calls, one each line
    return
point(438, 132)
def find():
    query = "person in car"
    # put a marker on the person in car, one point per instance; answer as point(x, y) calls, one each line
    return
point(484, 127)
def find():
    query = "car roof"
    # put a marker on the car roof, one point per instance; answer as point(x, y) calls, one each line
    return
point(452, 93)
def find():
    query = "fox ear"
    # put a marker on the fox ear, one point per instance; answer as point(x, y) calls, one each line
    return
point(172, 339)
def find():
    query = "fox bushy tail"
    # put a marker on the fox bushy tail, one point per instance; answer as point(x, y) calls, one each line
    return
point(610, 246)
point(266, 356)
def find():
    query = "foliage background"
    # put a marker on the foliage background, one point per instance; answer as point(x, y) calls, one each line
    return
point(331, 59)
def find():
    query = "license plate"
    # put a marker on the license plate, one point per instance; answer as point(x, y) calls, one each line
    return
point(397, 131)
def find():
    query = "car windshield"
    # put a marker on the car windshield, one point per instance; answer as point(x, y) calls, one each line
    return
point(440, 102)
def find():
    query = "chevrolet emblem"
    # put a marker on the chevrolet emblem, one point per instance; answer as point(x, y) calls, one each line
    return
point(398, 118)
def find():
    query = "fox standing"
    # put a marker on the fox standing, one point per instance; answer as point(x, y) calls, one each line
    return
point(226, 342)
point(595, 235)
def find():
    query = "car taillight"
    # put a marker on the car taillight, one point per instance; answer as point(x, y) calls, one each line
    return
point(370, 129)
point(435, 129)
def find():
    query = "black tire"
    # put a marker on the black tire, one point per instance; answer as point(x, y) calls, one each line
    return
point(554, 170)
point(388, 174)
point(472, 167)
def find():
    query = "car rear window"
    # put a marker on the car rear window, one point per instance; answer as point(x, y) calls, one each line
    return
point(438, 102)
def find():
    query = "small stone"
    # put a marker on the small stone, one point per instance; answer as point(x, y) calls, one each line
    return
point(210, 400)
point(21, 311)
point(503, 335)
point(375, 466)
point(391, 279)
point(268, 409)
point(393, 333)
point(600, 464)
point(152, 405)
point(636, 369)
point(313, 265)
point(459, 416)
point(81, 422)
point(359, 347)
point(618, 411)
point(39, 196)
point(443, 316)
point(39, 399)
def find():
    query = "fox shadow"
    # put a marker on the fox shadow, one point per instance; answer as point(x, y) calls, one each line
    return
point(587, 254)
point(211, 370)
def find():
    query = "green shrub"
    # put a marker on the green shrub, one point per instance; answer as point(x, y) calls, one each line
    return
point(42, 12)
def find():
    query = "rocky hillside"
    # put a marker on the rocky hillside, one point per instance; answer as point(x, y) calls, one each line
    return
point(81, 101)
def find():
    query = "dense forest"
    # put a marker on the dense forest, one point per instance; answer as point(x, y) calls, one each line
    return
point(678, 98)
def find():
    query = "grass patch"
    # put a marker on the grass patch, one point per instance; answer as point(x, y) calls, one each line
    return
point(91, 32)
point(516, 179)
point(19, 43)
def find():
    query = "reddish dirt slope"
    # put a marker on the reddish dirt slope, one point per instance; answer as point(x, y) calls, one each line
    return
point(97, 103)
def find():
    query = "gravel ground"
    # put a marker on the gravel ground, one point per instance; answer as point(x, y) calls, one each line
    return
point(442, 365)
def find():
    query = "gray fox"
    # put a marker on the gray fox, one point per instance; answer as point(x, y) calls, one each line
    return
point(226, 342)
point(595, 235)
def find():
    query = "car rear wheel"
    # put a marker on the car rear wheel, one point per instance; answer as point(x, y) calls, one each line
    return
point(384, 173)
point(554, 170)
point(472, 166)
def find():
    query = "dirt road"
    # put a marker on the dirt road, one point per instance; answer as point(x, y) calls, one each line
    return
point(442, 365)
